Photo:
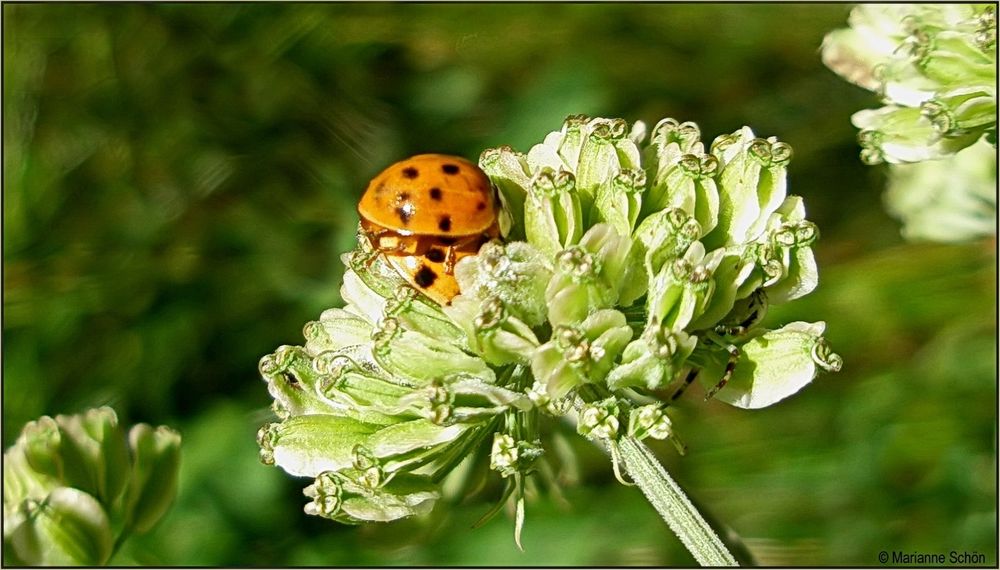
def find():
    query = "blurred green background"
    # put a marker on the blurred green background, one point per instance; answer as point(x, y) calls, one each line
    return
point(179, 181)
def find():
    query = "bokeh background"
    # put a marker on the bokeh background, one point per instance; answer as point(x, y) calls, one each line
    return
point(179, 181)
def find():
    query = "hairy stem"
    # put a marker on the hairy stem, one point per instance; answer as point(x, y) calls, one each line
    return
point(673, 505)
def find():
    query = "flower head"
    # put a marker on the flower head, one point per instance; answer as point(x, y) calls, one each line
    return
point(626, 268)
point(934, 67)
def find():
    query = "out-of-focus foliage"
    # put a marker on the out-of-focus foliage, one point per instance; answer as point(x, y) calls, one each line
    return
point(179, 181)
point(75, 487)
point(934, 68)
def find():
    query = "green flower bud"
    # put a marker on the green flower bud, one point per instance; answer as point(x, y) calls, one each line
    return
point(600, 272)
point(649, 421)
point(801, 274)
point(414, 442)
point(94, 456)
point(961, 112)
point(156, 456)
point(668, 142)
point(40, 441)
point(292, 381)
point(335, 496)
point(417, 313)
point(688, 185)
point(509, 456)
point(414, 359)
point(353, 387)
point(681, 290)
point(947, 200)
point(516, 273)
point(552, 216)
point(571, 139)
point(652, 360)
point(953, 58)
point(606, 151)
point(493, 333)
point(618, 201)
point(370, 280)
point(582, 353)
point(21, 483)
point(68, 528)
point(665, 236)
point(751, 185)
point(509, 172)
point(732, 272)
point(311, 444)
point(902, 134)
point(336, 329)
point(599, 420)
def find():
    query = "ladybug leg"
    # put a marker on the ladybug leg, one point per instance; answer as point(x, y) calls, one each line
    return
point(397, 244)
point(450, 255)
point(734, 356)
point(688, 380)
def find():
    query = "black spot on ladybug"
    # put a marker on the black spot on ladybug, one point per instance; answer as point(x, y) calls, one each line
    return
point(435, 255)
point(445, 223)
point(403, 196)
point(425, 277)
point(481, 206)
point(436, 194)
point(447, 240)
point(449, 168)
point(410, 172)
point(380, 188)
point(405, 212)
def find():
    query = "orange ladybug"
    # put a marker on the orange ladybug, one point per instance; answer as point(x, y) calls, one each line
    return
point(426, 213)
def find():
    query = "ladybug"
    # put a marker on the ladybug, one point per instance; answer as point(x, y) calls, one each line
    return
point(426, 213)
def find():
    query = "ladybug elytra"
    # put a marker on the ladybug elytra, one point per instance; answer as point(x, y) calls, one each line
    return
point(427, 212)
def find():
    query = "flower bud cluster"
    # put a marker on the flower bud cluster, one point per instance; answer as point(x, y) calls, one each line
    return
point(934, 67)
point(76, 485)
point(626, 267)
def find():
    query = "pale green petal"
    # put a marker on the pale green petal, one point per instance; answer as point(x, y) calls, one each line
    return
point(773, 366)
point(156, 457)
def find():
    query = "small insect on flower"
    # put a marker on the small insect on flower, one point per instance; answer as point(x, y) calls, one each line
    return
point(427, 212)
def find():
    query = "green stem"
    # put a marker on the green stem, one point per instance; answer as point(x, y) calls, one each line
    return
point(673, 505)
